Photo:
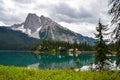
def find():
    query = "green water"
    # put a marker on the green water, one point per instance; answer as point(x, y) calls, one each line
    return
point(18, 58)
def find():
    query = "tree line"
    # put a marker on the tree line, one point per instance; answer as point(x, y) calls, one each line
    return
point(61, 46)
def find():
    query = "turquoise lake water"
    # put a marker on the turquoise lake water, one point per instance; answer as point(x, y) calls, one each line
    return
point(26, 59)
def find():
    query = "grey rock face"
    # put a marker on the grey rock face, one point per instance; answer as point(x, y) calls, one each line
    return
point(32, 22)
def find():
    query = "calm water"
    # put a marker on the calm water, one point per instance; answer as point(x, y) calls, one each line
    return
point(29, 59)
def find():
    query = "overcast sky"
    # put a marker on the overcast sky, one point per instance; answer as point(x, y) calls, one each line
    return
point(78, 15)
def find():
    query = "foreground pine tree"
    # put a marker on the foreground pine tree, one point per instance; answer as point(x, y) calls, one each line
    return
point(101, 47)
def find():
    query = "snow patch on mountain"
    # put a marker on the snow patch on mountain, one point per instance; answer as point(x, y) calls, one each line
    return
point(36, 34)
point(18, 27)
point(28, 31)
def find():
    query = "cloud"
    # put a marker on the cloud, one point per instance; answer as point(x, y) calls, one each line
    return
point(24, 1)
point(90, 13)
point(63, 12)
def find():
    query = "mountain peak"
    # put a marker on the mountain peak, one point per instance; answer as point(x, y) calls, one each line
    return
point(44, 28)
point(32, 22)
point(42, 16)
point(31, 14)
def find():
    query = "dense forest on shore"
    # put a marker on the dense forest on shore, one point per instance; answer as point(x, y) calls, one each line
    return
point(61, 47)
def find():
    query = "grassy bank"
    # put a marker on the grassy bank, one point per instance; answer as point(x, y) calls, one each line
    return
point(21, 73)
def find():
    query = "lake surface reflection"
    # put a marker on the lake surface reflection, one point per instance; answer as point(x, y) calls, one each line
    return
point(29, 59)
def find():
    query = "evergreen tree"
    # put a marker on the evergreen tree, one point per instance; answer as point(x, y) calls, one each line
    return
point(115, 12)
point(100, 46)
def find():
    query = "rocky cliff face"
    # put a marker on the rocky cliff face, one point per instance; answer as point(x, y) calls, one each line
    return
point(46, 29)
